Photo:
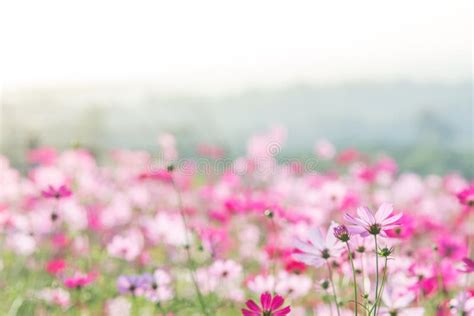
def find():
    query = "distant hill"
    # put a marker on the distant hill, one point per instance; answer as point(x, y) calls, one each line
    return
point(427, 127)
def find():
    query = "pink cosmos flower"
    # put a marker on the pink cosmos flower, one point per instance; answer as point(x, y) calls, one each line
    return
point(55, 266)
point(468, 265)
point(452, 248)
point(261, 283)
point(466, 196)
point(317, 249)
point(405, 230)
point(325, 149)
point(162, 175)
point(367, 223)
point(79, 280)
point(56, 193)
point(55, 296)
point(397, 304)
point(270, 306)
point(59, 241)
point(225, 270)
point(347, 156)
point(43, 155)
point(127, 246)
point(211, 151)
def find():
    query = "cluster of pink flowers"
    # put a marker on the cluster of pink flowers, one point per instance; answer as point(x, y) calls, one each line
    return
point(258, 228)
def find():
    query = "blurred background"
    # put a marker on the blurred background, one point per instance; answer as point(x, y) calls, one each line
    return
point(392, 77)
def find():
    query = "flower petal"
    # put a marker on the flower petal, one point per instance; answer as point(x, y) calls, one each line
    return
point(246, 312)
point(392, 219)
point(305, 247)
point(253, 306)
point(316, 238)
point(282, 312)
point(383, 212)
point(277, 301)
point(355, 220)
point(265, 300)
point(331, 240)
point(366, 215)
point(310, 260)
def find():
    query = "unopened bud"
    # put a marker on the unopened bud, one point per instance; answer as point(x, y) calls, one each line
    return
point(341, 233)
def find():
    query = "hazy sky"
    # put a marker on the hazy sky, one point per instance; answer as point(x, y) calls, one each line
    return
point(230, 45)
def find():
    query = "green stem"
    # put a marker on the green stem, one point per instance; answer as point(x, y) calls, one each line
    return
point(333, 288)
point(384, 278)
point(376, 274)
point(275, 242)
point(160, 308)
point(354, 276)
point(191, 265)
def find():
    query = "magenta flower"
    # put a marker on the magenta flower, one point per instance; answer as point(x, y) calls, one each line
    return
point(79, 280)
point(269, 306)
point(162, 175)
point(450, 247)
point(56, 193)
point(468, 265)
point(367, 223)
point(466, 196)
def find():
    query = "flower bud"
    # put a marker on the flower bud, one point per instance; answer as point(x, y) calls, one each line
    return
point(341, 233)
point(268, 213)
point(385, 252)
point(325, 284)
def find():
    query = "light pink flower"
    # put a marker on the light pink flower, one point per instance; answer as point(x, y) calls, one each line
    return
point(54, 296)
point(127, 246)
point(317, 250)
point(367, 223)
point(56, 192)
point(397, 304)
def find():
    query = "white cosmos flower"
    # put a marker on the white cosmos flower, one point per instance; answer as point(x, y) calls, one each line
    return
point(317, 250)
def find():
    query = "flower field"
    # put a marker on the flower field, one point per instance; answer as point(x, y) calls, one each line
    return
point(140, 233)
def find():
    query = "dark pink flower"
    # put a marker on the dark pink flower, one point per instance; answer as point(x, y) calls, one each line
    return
point(367, 174)
point(347, 156)
point(405, 230)
point(451, 248)
point(162, 175)
point(55, 266)
point(269, 306)
point(56, 193)
point(59, 241)
point(468, 265)
point(466, 196)
point(79, 280)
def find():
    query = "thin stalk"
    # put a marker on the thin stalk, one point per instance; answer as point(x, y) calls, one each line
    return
point(333, 288)
point(354, 276)
point(274, 253)
point(191, 265)
point(384, 278)
point(330, 309)
point(160, 308)
point(376, 274)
